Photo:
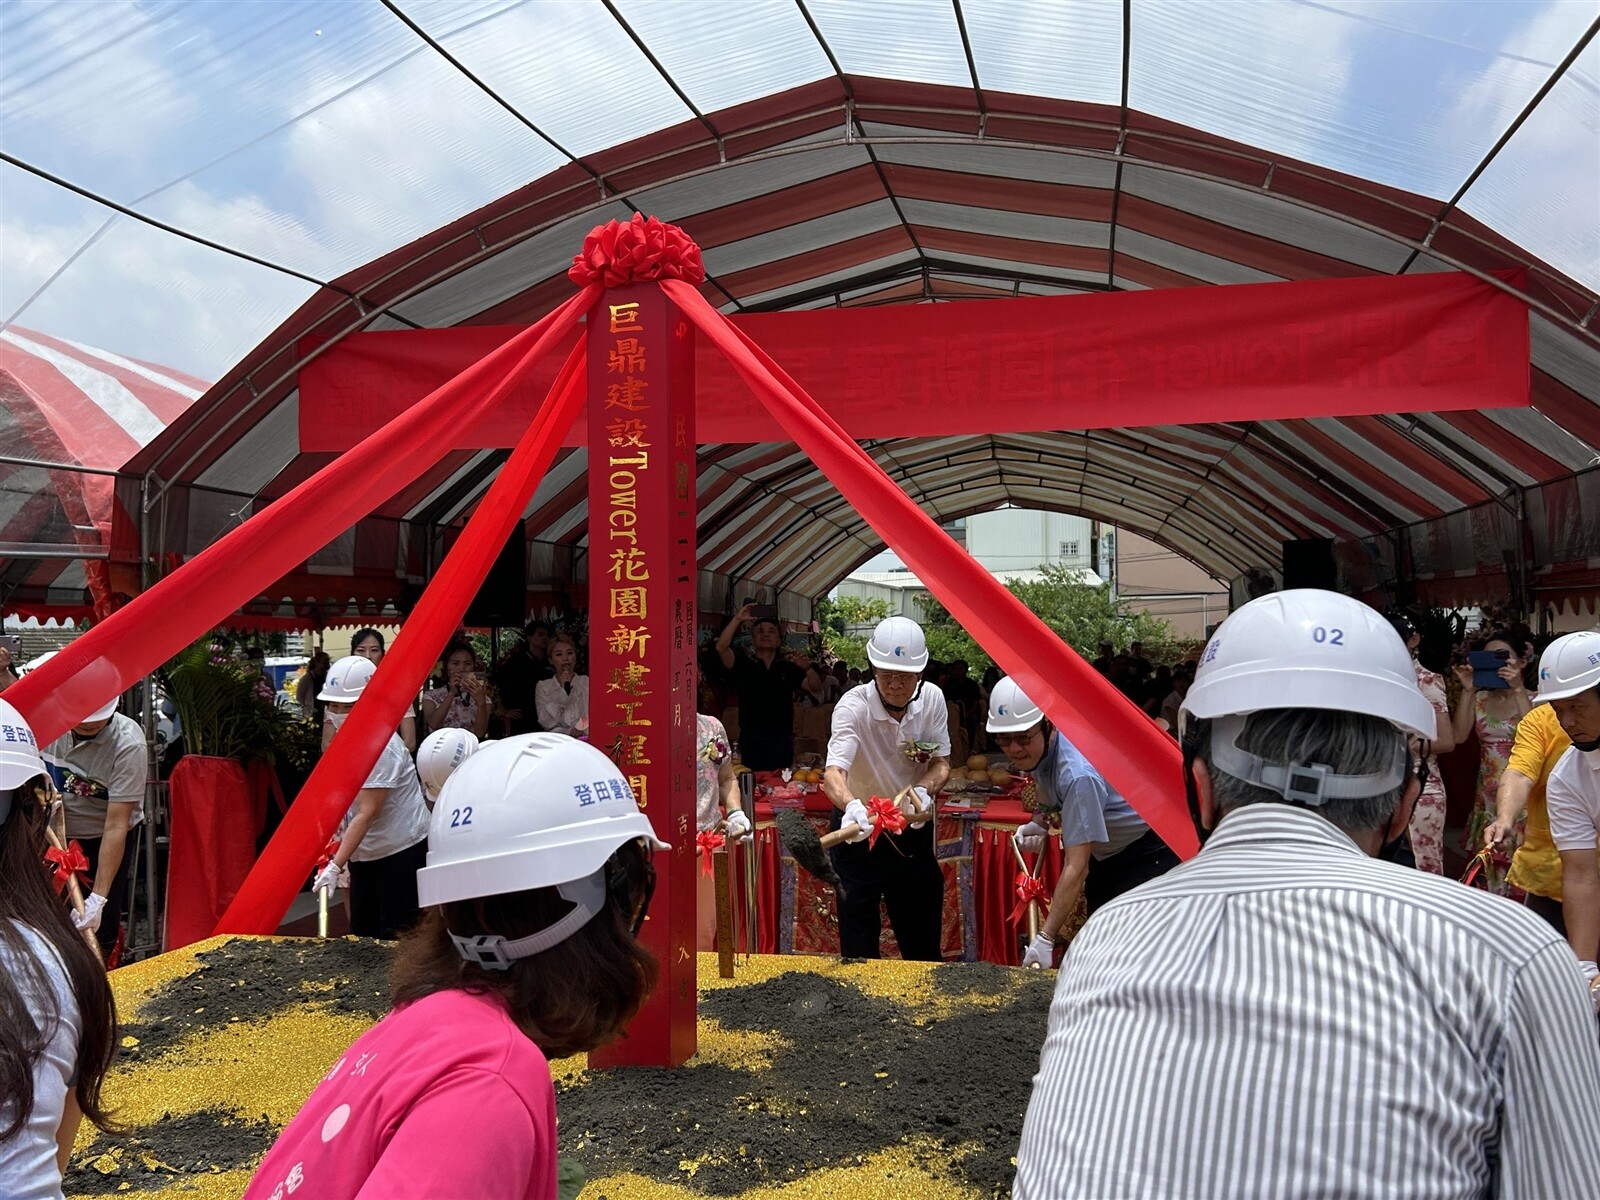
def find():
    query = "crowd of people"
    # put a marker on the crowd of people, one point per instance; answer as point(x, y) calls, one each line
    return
point(1264, 1019)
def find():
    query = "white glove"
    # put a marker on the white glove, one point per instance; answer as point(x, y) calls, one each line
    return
point(1041, 952)
point(89, 919)
point(920, 800)
point(856, 812)
point(1030, 837)
point(738, 825)
point(1591, 972)
point(327, 879)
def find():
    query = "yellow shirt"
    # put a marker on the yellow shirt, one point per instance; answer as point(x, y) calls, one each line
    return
point(1536, 866)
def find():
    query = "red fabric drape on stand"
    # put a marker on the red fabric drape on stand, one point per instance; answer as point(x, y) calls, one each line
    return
point(994, 895)
point(213, 844)
point(1136, 758)
point(201, 594)
point(284, 866)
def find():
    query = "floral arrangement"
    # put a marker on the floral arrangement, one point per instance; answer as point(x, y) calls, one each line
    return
point(920, 752)
point(716, 750)
point(225, 708)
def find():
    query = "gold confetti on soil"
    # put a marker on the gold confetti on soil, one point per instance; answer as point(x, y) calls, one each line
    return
point(813, 1077)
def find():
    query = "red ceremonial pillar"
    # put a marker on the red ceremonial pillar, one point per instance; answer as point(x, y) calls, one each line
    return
point(641, 449)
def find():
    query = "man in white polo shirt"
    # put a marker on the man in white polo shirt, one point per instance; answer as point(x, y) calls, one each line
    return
point(889, 735)
point(1569, 681)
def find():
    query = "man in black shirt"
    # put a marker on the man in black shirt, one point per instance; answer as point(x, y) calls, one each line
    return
point(765, 682)
point(518, 672)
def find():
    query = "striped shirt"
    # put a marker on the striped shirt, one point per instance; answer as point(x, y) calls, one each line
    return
point(1283, 1016)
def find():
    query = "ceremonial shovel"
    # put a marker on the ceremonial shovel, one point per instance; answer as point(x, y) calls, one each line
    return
point(810, 852)
point(724, 894)
point(75, 892)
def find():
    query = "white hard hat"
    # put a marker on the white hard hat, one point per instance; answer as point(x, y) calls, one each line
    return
point(531, 811)
point(103, 713)
point(19, 755)
point(1307, 648)
point(1569, 666)
point(898, 645)
point(347, 679)
point(1010, 710)
point(440, 753)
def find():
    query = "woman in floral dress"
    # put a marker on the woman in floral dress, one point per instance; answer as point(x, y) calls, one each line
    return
point(716, 790)
point(1494, 714)
point(1427, 818)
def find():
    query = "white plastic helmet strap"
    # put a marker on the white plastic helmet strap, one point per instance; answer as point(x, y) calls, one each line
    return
point(495, 953)
point(1299, 783)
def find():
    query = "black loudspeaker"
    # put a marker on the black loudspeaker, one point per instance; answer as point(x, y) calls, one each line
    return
point(1308, 563)
point(501, 600)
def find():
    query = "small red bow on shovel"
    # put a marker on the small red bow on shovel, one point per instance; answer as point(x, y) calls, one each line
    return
point(67, 863)
point(1030, 888)
point(709, 841)
point(328, 852)
point(886, 818)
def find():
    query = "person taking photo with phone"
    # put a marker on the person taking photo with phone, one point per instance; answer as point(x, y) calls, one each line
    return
point(765, 682)
point(463, 701)
point(1493, 701)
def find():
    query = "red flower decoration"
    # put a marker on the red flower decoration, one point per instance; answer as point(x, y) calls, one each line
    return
point(886, 818)
point(709, 842)
point(636, 251)
point(67, 863)
point(1030, 888)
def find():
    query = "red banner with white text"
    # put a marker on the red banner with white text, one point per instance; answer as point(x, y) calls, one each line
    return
point(1176, 356)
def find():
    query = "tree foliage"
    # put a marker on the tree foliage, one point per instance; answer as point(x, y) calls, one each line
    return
point(838, 621)
point(1082, 615)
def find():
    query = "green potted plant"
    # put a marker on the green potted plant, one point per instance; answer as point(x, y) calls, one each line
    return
point(218, 792)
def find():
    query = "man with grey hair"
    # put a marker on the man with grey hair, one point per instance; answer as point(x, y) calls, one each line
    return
point(1286, 1015)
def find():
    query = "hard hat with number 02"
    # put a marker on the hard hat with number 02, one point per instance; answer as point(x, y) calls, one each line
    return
point(1307, 648)
point(1010, 710)
point(347, 679)
point(1569, 666)
point(440, 753)
point(898, 644)
point(532, 811)
point(19, 755)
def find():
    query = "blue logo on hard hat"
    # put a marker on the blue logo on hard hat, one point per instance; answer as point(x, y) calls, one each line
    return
point(1003, 711)
point(899, 651)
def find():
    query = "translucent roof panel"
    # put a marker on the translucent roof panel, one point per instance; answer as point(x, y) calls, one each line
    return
point(906, 39)
point(1069, 49)
point(568, 68)
point(1543, 189)
point(1410, 95)
point(723, 54)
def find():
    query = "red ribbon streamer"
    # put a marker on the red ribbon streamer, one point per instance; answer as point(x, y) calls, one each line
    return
point(1030, 890)
point(67, 863)
point(709, 841)
point(1136, 758)
point(204, 592)
point(276, 878)
point(886, 818)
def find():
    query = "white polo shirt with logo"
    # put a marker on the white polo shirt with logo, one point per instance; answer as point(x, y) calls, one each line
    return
point(1572, 798)
point(870, 744)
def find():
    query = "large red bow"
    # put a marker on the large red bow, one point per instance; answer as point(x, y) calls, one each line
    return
point(636, 251)
point(66, 863)
point(886, 818)
point(709, 841)
point(1030, 889)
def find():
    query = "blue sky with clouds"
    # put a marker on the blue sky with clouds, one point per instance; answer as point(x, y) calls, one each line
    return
point(320, 135)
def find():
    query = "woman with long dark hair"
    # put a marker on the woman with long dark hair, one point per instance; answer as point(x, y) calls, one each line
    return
point(58, 1023)
point(537, 883)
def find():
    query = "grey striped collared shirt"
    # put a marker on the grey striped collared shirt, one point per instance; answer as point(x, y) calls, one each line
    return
point(1284, 1016)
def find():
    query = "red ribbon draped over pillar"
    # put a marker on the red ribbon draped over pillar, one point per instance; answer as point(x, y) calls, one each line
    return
point(287, 860)
point(205, 591)
point(1136, 758)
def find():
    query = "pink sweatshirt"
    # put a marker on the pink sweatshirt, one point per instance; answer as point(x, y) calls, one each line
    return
point(442, 1098)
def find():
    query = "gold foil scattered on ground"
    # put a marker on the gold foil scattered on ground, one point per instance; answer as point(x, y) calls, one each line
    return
point(266, 1068)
